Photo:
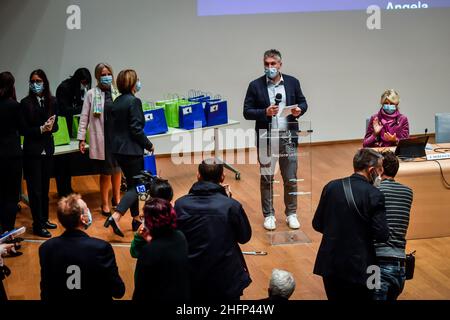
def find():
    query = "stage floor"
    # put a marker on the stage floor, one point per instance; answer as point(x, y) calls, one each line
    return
point(431, 281)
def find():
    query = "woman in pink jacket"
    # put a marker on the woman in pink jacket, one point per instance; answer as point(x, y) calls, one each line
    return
point(93, 118)
point(387, 127)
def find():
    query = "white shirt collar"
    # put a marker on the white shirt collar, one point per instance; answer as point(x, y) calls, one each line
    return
point(281, 82)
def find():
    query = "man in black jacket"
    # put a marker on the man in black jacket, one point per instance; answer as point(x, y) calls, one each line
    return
point(265, 100)
point(214, 225)
point(347, 248)
point(74, 265)
point(70, 95)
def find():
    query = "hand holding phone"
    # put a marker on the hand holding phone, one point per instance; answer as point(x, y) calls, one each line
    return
point(48, 125)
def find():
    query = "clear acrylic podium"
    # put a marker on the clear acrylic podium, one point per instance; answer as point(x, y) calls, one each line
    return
point(289, 165)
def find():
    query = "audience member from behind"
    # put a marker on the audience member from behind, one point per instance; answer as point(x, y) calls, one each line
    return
point(281, 286)
point(391, 254)
point(74, 265)
point(160, 189)
point(214, 225)
point(162, 272)
point(347, 248)
point(388, 126)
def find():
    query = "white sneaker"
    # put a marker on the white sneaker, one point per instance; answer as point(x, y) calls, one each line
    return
point(269, 223)
point(292, 222)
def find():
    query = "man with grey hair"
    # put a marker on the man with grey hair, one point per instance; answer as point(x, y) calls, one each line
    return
point(281, 286)
point(351, 215)
point(265, 101)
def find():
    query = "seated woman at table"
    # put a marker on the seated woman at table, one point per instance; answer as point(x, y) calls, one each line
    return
point(387, 127)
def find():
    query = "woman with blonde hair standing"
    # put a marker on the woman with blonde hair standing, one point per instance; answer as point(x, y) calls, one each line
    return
point(387, 127)
point(94, 119)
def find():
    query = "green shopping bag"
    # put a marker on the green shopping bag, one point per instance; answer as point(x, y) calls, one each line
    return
point(61, 137)
point(75, 125)
point(171, 113)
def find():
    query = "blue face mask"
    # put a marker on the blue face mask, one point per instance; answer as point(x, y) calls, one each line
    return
point(271, 72)
point(89, 222)
point(37, 87)
point(389, 108)
point(138, 86)
point(106, 80)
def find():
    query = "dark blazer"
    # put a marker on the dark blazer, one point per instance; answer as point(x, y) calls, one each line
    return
point(214, 225)
point(100, 279)
point(347, 246)
point(257, 101)
point(10, 128)
point(34, 116)
point(162, 269)
point(127, 119)
point(70, 100)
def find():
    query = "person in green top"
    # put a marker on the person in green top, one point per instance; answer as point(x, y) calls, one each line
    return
point(159, 189)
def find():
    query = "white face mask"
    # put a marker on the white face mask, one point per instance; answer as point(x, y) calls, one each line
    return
point(271, 73)
point(89, 222)
point(375, 180)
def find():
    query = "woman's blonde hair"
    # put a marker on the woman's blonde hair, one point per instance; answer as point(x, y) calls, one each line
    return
point(98, 71)
point(390, 95)
point(126, 81)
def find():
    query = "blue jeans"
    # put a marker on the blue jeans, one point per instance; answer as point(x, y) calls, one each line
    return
point(392, 280)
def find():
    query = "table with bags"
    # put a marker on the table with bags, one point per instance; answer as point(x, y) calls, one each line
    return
point(163, 119)
point(177, 116)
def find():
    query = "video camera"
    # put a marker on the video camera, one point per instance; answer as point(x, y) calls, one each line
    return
point(143, 182)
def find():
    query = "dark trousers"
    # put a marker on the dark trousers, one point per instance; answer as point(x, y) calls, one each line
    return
point(341, 290)
point(131, 166)
point(62, 174)
point(9, 191)
point(37, 171)
point(3, 296)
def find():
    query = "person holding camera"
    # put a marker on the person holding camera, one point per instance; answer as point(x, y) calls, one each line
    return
point(214, 225)
point(160, 189)
point(162, 269)
point(127, 145)
point(391, 255)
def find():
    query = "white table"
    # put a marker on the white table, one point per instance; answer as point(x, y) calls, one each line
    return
point(177, 131)
point(73, 146)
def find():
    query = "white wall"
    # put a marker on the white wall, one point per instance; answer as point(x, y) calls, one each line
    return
point(343, 67)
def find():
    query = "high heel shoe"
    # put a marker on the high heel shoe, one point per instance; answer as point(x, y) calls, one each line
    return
point(135, 224)
point(111, 222)
point(106, 214)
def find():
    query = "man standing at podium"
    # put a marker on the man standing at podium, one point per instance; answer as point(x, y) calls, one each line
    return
point(265, 101)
